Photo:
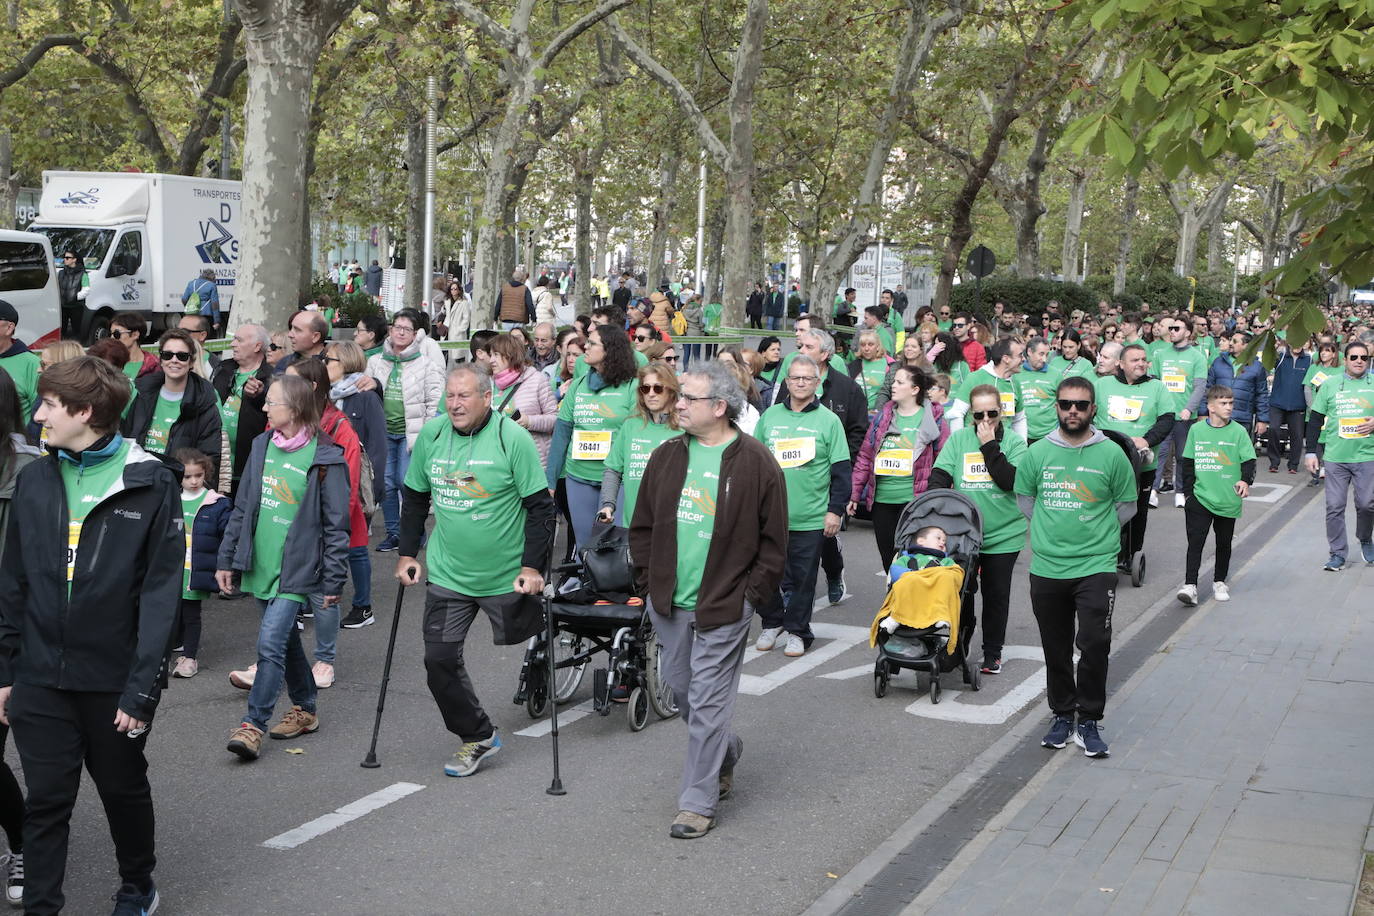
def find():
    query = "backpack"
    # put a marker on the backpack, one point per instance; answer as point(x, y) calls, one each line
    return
point(367, 477)
point(349, 287)
point(678, 323)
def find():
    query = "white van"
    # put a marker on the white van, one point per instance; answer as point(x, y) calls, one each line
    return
point(28, 281)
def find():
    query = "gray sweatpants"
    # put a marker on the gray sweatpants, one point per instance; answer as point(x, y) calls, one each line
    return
point(703, 667)
point(1340, 476)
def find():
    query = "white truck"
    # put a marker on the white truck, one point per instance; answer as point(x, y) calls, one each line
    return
point(142, 237)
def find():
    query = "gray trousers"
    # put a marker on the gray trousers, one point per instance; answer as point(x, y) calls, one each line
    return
point(703, 667)
point(1340, 476)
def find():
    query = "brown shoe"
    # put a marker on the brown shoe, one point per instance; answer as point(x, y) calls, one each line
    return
point(727, 773)
point(295, 723)
point(688, 825)
point(246, 741)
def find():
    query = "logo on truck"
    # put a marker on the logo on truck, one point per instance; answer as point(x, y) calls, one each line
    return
point(219, 249)
point(130, 292)
point(81, 198)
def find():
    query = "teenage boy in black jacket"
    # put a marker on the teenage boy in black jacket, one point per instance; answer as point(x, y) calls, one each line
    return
point(88, 597)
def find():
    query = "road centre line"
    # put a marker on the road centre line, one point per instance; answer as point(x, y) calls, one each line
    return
point(337, 818)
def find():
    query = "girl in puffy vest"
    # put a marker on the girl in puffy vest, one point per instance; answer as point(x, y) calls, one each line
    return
point(205, 513)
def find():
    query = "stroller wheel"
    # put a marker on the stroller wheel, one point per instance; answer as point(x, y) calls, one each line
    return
point(976, 682)
point(637, 709)
point(882, 674)
point(1138, 569)
point(934, 688)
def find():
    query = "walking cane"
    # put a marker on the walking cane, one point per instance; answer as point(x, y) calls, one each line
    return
point(556, 787)
point(370, 761)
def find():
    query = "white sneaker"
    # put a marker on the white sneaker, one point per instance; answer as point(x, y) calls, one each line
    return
point(324, 674)
point(243, 680)
point(1179, 500)
point(1154, 499)
point(768, 638)
point(1220, 591)
point(796, 648)
point(186, 667)
point(1188, 595)
point(14, 879)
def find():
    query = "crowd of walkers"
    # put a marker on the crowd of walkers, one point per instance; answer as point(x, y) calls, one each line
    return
point(179, 475)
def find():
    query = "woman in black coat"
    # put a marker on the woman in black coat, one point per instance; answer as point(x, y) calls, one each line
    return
point(173, 407)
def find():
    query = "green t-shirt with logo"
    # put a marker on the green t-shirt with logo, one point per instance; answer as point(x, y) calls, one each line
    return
point(1217, 455)
point(190, 505)
point(894, 460)
point(229, 411)
point(888, 338)
point(1177, 369)
point(696, 518)
point(1006, 389)
point(23, 369)
point(1036, 391)
point(1316, 375)
point(85, 488)
point(1062, 368)
point(1346, 403)
point(1073, 528)
point(1130, 409)
point(284, 482)
point(596, 418)
point(394, 402)
point(630, 452)
point(477, 485)
point(1004, 527)
point(165, 413)
point(1208, 346)
point(872, 373)
point(805, 444)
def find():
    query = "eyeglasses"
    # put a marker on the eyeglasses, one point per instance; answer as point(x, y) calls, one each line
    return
point(652, 389)
point(271, 403)
point(696, 397)
point(118, 334)
point(986, 414)
point(1362, 357)
point(273, 347)
point(959, 324)
point(166, 355)
point(330, 359)
point(807, 379)
point(1080, 406)
point(403, 329)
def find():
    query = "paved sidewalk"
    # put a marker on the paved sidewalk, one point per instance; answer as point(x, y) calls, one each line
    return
point(1240, 778)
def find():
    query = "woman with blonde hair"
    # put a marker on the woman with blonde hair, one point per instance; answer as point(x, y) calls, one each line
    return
point(653, 422)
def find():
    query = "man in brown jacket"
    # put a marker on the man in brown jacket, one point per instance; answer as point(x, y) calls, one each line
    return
point(708, 539)
point(514, 303)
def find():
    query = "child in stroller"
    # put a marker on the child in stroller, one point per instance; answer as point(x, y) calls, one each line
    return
point(928, 550)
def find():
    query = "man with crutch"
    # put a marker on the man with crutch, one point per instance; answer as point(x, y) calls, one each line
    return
point(708, 540)
point(493, 528)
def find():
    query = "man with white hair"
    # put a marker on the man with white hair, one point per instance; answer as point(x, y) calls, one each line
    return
point(241, 383)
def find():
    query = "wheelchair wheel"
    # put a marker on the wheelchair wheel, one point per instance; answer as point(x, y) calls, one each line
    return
point(882, 675)
point(1138, 569)
point(637, 709)
point(537, 699)
point(566, 646)
point(660, 694)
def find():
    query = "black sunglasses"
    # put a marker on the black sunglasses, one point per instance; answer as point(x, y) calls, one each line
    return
point(1080, 406)
point(273, 347)
point(178, 355)
point(1363, 357)
point(641, 339)
point(652, 389)
point(986, 414)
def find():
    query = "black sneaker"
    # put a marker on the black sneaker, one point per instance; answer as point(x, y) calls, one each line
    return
point(1058, 735)
point(1086, 737)
point(991, 665)
point(389, 543)
point(1166, 487)
point(358, 618)
point(130, 901)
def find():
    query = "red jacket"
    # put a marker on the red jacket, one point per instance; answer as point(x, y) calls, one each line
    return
point(150, 364)
point(974, 354)
point(934, 432)
point(341, 431)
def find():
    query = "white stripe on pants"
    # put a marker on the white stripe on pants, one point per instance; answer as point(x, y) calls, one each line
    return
point(703, 668)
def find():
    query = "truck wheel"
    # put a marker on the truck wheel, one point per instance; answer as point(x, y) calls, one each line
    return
point(97, 327)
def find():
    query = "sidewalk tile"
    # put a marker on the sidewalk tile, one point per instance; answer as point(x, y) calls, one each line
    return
point(1223, 892)
point(1281, 856)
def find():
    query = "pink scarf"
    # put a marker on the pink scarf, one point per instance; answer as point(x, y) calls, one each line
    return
point(505, 378)
point(295, 443)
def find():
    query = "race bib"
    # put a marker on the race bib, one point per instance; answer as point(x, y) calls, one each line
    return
point(894, 462)
point(591, 445)
point(1176, 382)
point(1318, 378)
point(975, 468)
point(1347, 427)
point(793, 453)
point(1120, 407)
point(73, 539)
point(188, 549)
point(1008, 404)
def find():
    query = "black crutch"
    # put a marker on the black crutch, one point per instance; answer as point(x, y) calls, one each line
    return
point(370, 761)
point(555, 787)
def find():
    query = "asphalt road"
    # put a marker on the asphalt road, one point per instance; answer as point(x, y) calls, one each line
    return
point(829, 772)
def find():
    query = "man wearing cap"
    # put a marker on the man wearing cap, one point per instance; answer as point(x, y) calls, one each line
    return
point(18, 361)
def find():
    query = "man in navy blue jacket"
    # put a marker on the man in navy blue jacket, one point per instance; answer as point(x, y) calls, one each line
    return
point(1250, 382)
point(1288, 405)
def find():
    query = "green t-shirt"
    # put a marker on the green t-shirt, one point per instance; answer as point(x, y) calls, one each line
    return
point(945, 325)
point(284, 482)
point(696, 518)
point(1061, 368)
point(1217, 455)
point(1177, 369)
point(131, 369)
point(893, 462)
point(629, 455)
point(1073, 529)
point(805, 445)
point(229, 411)
point(1208, 346)
point(1036, 391)
point(1004, 527)
point(394, 402)
point(85, 488)
point(1316, 375)
point(1346, 402)
point(190, 505)
point(872, 373)
point(1130, 409)
point(1153, 348)
point(23, 369)
point(165, 414)
point(478, 484)
point(596, 417)
point(1011, 398)
point(888, 338)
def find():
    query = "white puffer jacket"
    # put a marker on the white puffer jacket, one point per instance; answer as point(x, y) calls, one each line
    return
point(422, 385)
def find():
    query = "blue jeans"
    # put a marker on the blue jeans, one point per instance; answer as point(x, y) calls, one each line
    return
point(360, 568)
point(1178, 438)
point(280, 658)
point(774, 322)
point(689, 353)
point(397, 463)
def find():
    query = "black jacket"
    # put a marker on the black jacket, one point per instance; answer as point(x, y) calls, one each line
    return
point(69, 285)
point(112, 634)
point(846, 400)
point(364, 410)
point(252, 412)
point(198, 425)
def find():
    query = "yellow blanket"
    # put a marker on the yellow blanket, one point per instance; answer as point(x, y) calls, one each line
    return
point(922, 598)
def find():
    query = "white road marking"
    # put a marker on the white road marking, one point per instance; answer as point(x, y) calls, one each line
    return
point(350, 812)
point(846, 674)
point(1276, 492)
point(565, 717)
point(840, 638)
point(1010, 703)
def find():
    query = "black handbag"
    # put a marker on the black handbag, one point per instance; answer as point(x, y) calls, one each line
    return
point(607, 565)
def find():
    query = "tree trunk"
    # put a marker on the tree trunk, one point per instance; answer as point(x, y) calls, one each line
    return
point(582, 235)
point(663, 214)
point(1073, 226)
point(1216, 246)
point(1028, 239)
point(1124, 245)
point(417, 271)
point(715, 253)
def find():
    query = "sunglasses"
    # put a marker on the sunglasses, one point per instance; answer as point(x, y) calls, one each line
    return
point(958, 324)
point(1362, 357)
point(652, 389)
point(986, 414)
point(641, 339)
point(178, 355)
point(670, 359)
point(1068, 404)
point(273, 347)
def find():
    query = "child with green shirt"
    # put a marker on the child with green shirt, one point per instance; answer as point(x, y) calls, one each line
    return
point(205, 513)
point(928, 549)
point(1218, 464)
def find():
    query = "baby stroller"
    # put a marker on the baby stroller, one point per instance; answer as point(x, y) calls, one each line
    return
point(1133, 561)
point(927, 649)
point(603, 615)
